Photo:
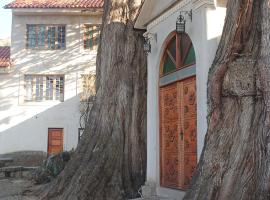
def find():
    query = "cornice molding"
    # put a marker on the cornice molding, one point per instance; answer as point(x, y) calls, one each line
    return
point(193, 4)
point(199, 3)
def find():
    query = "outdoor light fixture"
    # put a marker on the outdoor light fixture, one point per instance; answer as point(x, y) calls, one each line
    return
point(147, 46)
point(181, 21)
point(148, 39)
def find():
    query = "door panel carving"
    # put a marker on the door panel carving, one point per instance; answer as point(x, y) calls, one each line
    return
point(171, 172)
point(190, 104)
point(190, 136)
point(178, 133)
point(170, 137)
point(190, 166)
point(170, 140)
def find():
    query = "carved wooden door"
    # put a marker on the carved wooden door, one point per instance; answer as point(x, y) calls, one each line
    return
point(178, 143)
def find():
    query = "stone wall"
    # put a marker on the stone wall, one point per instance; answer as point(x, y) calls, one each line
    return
point(26, 158)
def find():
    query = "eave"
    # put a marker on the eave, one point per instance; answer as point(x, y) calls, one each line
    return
point(58, 11)
point(151, 9)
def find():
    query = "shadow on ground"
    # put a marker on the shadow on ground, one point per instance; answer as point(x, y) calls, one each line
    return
point(12, 189)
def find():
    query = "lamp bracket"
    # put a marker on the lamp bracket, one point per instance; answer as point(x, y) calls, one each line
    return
point(187, 13)
point(150, 36)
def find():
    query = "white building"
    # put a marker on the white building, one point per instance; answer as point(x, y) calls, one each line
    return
point(53, 49)
point(178, 67)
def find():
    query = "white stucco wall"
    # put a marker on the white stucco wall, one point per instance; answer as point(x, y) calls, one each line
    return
point(24, 125)
point(205, 31)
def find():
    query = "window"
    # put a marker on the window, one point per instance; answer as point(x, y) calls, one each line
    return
point(178, 54)
point(44, 87)
point(46, 36)
point(88, 87)
point(91, 36)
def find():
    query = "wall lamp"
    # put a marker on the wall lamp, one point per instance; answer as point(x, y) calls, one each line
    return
point(181, 21)
point(147, 43)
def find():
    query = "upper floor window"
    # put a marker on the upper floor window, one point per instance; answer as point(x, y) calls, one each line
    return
point(44, 87)
point(46, 36)
point(91, 36)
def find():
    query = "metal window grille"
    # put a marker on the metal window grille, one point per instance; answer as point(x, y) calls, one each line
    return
point(44, 87)
point(46, 36)
point(88, 87)
point(91, 36)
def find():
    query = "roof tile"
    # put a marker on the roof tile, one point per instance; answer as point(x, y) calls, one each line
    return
point(4, 56)
point(56, 4)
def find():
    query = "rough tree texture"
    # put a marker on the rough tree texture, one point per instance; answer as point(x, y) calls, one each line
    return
point(110, 161)
point(235, 163)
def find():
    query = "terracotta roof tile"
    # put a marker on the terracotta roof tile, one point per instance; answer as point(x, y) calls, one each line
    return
point(4, 56)
point(55, 4)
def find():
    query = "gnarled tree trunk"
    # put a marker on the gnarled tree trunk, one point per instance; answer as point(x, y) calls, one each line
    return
point(110, 161)
point(235, 163)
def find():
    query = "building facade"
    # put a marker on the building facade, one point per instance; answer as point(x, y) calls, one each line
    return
point(178, 66)
point(53, 55)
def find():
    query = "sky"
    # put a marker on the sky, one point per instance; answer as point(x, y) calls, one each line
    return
point(5, 20)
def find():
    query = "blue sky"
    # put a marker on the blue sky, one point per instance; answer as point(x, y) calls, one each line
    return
point(5, 20)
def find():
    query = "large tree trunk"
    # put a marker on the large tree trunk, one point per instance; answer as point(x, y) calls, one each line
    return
point(235, 163)
point(110, 161)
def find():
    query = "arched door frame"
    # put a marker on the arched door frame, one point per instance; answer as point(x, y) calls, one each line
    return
point(177, 75)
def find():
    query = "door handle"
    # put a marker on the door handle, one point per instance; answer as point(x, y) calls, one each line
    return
point(181, 135)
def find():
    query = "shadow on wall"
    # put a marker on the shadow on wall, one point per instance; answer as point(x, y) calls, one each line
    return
point(69, 60)
point(32, 134)
point(24, 126)
point(9, 85)
point(62, 62)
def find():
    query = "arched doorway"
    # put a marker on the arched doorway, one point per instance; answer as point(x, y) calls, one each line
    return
point(178, 112)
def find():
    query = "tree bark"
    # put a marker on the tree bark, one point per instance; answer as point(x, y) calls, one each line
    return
point(235, 163)
point(110, 160)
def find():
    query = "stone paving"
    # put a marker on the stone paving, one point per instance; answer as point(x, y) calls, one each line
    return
point(11, 189)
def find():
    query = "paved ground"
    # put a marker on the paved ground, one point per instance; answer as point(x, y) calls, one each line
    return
point(11, 189)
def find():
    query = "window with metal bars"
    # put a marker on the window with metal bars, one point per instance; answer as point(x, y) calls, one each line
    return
point(91, 36)
point(46, 36)
point(44, 87)
point(88, 87)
